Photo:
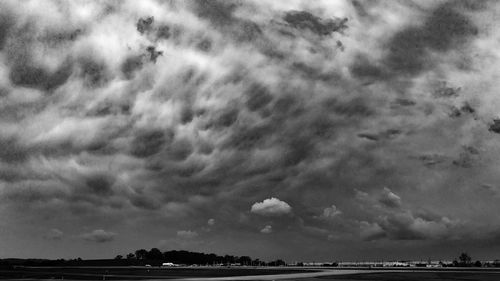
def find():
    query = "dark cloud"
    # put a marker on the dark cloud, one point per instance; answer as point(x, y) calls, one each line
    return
point(100, 184)
point(218, 12)
point(153, 53)
point(147, 143)
point(144, 24)
point(443, 30)
point(364, 68)
point(145, 202)
point(495, 126)
point(164, 32)
point(225, 117)
point(404, 102)
point(443, 91)
point(467, 158)
point(27, 74)
point(12, 151)
point(357, 107)
point(180, 149)
point(246, 31)
point(317, 25)
point(430, 160)
point(258, 97)
point(385, 135)
point(7, 22)
point(94, 73)
point(131, 65)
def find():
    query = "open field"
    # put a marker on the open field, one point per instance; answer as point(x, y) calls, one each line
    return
point(414, 276)
point(247, 273)
point(136, 273)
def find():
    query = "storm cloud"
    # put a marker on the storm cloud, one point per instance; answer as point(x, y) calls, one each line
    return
point(369, 120)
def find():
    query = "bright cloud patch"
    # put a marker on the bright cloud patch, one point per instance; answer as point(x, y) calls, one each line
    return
point(271, 207)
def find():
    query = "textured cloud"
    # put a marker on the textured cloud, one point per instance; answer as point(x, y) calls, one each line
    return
point(330, 212)
point(271, 207)
point(157, 116)
point(99, 236)
point(390, 199)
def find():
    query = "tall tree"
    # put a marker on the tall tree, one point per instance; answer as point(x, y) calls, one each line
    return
point(141, 254)
point(465, 259)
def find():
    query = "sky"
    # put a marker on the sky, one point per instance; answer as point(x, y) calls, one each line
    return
point(301, 130)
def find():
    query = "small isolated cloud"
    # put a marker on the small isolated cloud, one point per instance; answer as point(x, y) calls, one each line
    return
point(267, 229)
point(187, 234)
point(390, 199)
point(331, 212)
point(271, 207)
point(99, 236)
point(211, 222)
point(54, 234)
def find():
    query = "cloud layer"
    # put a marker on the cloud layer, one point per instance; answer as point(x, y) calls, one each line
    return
point(374, 122)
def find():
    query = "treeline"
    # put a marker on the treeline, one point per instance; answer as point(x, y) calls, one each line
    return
point(157, 257)
point(153, 257)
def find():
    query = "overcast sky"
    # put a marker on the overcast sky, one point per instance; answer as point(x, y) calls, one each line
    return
point(303, 130)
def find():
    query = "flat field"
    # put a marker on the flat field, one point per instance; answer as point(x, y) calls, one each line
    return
point(414, 276)
point(136, 273)
point(245, 273)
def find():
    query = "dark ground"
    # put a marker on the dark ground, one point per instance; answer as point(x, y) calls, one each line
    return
point(134, 273)
point(140, 273)
point(414, 276)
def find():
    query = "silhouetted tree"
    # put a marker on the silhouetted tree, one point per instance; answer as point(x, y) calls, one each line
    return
point(478, 264)
point(130, 256)
point(118, 257)
point(245, 260)
point(277, 263)
point(154, 254)
point(141, 254)
point(465, 259)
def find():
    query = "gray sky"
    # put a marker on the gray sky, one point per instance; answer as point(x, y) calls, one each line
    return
point(263, 128)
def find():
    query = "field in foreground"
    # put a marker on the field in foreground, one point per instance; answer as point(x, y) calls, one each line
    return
point(245, 273)
point(413, 276)
point(135, 273)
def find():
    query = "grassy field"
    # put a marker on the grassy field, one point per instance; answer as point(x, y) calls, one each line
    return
point(143, 273)
point(414, 276)
point(135, 273)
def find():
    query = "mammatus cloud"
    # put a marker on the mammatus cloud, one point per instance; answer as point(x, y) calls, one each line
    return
point(152, 117)
point(99, 236)
point(267, 229)
point(271, 207)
